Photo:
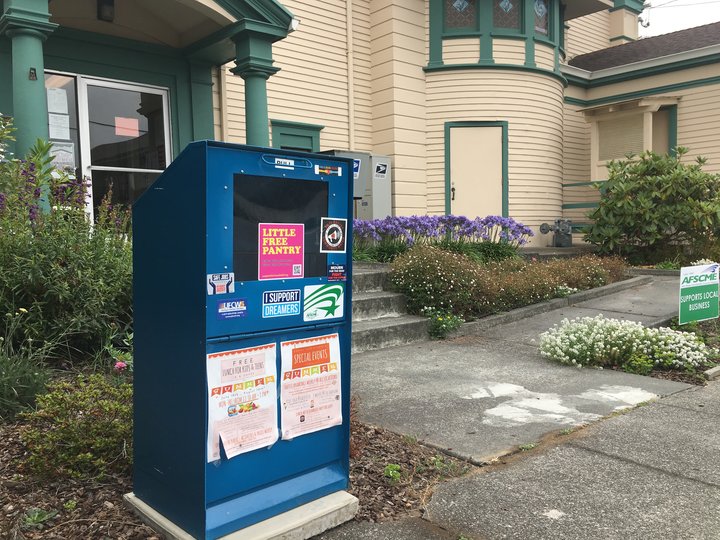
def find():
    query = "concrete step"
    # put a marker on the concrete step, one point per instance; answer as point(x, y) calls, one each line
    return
point(369, 277)
point(377, 304)
point(388, 332)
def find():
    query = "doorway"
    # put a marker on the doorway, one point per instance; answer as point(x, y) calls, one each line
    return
point(476, 169)
point(115, 134)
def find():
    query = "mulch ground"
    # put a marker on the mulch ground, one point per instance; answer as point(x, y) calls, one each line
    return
point(72, 509)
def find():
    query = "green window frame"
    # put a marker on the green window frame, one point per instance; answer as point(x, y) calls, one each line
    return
point(296, 135)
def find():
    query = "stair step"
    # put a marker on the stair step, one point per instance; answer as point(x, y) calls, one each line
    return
point(369, 277)
point(388, 332)
point(377, 304)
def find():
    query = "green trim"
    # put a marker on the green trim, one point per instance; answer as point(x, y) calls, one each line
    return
point(622, 36)
point(672, 128)
point(95, 55)
point(579, 184)
point(529, 21)
point(636, 6)
point(646, 72)
point(642, 93)
point(268, 11)
point(569, 206)
point(505, 177)
point(296, 135)
point(506, 67)
point(578, 227)
point(486, 39)
point(436, 33)
point(203, 126)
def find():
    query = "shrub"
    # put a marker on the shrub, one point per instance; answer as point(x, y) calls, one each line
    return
point(442, 323)
point(73, 277)
point(22, 371)
point(598, 341)
point(81, 429)
point(384, 239)
point(433, 278)
point(449, 282)
point(654, 208)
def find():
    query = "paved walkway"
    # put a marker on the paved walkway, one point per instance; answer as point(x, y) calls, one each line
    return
point(649, 473)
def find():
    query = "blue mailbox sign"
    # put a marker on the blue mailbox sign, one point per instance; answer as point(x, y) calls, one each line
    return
point(242, 284)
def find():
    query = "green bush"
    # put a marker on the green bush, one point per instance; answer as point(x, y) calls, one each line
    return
point(453, 283)
point(22, 371)
point(442, 323)
point(655, 208)
point(74, 278)
point(482, 252)
point(81, 429)
point(598, 341)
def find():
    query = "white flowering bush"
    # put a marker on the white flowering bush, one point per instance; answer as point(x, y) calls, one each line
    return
point(599, 341)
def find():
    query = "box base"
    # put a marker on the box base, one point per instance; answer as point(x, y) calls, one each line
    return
point(299, 523)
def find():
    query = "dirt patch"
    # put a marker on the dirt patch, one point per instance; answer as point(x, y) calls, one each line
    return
point(393, 476)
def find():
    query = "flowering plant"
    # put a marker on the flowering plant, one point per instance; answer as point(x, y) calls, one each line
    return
point(442, 323)
point(599, 341)
point(395, 234)
point(72, 275)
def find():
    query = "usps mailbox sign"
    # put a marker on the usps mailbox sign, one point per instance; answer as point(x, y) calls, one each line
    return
point(699, 293)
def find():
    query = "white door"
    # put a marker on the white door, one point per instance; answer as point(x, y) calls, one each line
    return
point(476, 172)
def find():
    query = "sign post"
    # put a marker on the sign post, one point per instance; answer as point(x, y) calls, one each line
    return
point(698, 293)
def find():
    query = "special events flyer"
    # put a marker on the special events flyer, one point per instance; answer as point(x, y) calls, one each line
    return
point(242, 400)
point(310, 392)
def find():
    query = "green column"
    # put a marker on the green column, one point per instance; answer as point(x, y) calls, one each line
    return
point(29, 98)
point(26, 24)
point(254, 65)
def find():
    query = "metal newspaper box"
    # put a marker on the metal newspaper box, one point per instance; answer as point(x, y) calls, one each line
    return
point(242, 292)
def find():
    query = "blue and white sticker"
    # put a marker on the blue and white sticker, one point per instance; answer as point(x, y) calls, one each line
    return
point(281, 303)
point(356, 168)
point(231, 309)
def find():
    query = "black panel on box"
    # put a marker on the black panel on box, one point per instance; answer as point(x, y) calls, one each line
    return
point(259, 199)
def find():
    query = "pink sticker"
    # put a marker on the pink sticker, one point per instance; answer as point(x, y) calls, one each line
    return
point(127, 127)
point(281, 252)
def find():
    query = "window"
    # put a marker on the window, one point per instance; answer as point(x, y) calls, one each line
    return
point(296, 136)
point(542, 17)
point(460, 14)
point(506, 14)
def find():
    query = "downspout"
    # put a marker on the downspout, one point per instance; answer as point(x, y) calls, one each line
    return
point(351, 73)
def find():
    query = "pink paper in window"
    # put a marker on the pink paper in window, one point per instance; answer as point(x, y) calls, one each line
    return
point(127, 127)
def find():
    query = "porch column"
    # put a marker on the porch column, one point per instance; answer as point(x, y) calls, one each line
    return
point(26, 24)
point(254, 65)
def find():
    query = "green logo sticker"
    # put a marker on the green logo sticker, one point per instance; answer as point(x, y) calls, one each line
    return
point(323, 302)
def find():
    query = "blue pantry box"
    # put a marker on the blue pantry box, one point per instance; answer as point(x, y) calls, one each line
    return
point(242, 310)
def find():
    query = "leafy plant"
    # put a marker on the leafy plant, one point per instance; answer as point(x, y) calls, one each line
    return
point(527, 447)
point(451, 283)
point(74, 277)
point(603, 342)
point(23, 374)
point(484, 239)
point(81, 429)
point(442, 323)
point(668, 265)
point(655, 207)
point(393, 472)
point(37, 518)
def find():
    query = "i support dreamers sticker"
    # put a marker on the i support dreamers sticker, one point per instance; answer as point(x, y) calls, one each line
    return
point(323, 302)
point(281, 303)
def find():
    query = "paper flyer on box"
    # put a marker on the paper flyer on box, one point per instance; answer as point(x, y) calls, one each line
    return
point(281, 250)
point(242, 400)
point(310, 391)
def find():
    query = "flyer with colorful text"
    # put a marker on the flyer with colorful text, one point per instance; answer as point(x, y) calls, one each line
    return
point(242, 400)
point(310, 391)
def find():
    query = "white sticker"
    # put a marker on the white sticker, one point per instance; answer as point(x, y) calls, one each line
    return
point(221, 283)
point(323, 302)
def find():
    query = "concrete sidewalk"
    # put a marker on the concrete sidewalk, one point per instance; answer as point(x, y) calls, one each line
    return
point(645, 474)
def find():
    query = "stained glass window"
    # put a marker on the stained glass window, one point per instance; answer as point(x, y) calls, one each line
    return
point(506, 14)
point(541, 17)
point(460, 14)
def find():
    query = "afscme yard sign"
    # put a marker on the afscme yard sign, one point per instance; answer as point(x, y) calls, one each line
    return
point(699, 293)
